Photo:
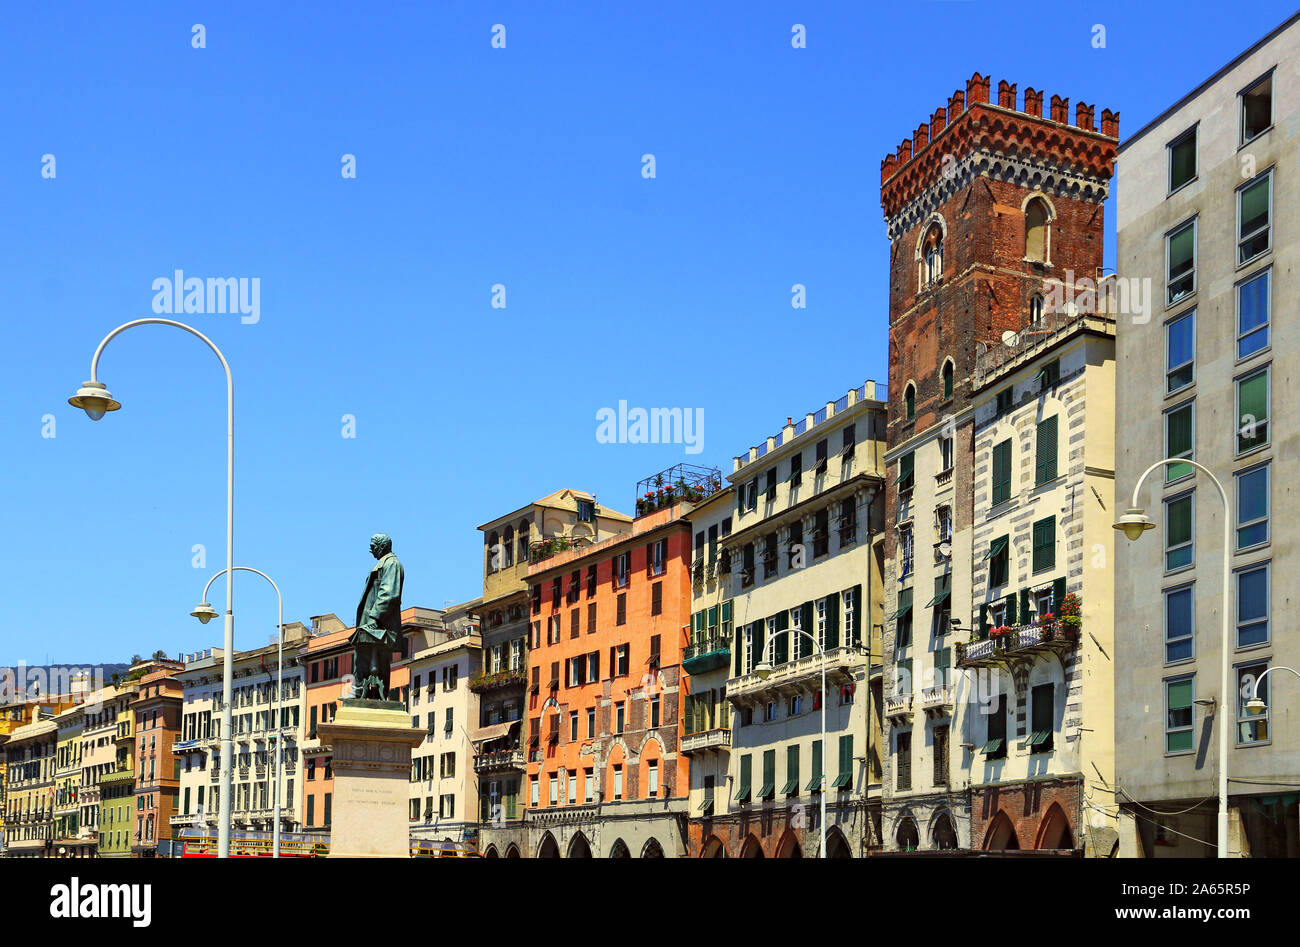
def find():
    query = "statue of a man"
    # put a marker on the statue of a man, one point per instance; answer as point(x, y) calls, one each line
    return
point(379, 622)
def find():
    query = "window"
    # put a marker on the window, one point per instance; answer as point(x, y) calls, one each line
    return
point(652, 778)
point(945, 454)
point(586, 511)
point(1252, 606)
point(1045, 451)
point(1252, 727)
point(1252, 507)
point(1180, 433)
point(932, 256)
point(620, 609)
point(533, 791)
point(904, 759)
point(769, 555)
point(821, 533)
point(552, 790)
point(947, 380)
point(796, 470)
point(791, 787)
point(1180, 352)
point(1049, 375)
point(1044, 544)
point(795, 549)
point(909, 402)
point(1179, 527)
point(1179, 624)
point(1179, 695)
point(1037, 230)
point(588, 784)
point(591, 618)
point(745, 789)
point(1043, 698)
point(1257, 108)
point(769, 493)
point(906, 472)
point(656, 600)
point(622, 569)
point(1254, 216)
point(1002, 472)
point(768, 789)
point(905, 550)
point(748, 496)
point(591, 723)
point(903, 616)
point(943, 520)
point(995, 744)
point(1005, 399)
point(999, 561)
point(1180, 252)
point(941, 756)
point(1035, 309)
point(819, 467)
point(1253, 315)
point(659, 557)
point(1252, 411)
point(618, 661)
point(1182, 159)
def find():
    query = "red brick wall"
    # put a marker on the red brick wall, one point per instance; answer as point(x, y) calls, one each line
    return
point(1026, 805)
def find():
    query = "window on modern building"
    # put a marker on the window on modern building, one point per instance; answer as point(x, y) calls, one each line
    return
point(1257, 108)
point(1045, 451)
point(1180, 514)
point(1182, 159)
point(1037, 230)
point(1252, 507)
point(1180, 436)
point(1252, 727)
point(1001, 472)
point(1254, 217)
point(1252, 605)
point(1252, 410)
point(1179, 624)
point(1180, 254)
point(909, 402)
point(1253, 314)
point(903, 759)
point(1179, 701)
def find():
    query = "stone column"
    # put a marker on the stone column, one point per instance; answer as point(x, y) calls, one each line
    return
point(372, 742)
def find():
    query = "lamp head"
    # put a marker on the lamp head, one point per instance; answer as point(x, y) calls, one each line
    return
point(204, 612)
point(1134, 522)
point(1256, 706)
point(93, 398)
point(763, 669)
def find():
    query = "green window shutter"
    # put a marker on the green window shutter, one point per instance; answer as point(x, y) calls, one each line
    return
point(1045, 456)
point(781, 648)
point(1024, 605)
point(858, 606)
point(726, 612)
point(906, 466)
point(738, 653)
point(846, 761)
point(1002, 472)
point(832, 621)
point(806, 619)
point(1044, 556)
point(712, 619)
point(984, 617)
point(792, 770)
point(1011, 609)
point(1058, 595)
point(815, 782)
point(759, 641)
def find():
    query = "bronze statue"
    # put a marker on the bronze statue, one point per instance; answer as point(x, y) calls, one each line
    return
point(379, 622)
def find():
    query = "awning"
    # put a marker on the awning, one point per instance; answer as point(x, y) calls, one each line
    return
point(790, 788)
point(842, 780)
point(767, 791)
point(996, 547)
point(496, 731)
point(901, 613)
point(904, 605)
point(992, 746)
point(1038, 736)
point(706, 807)
point(742, 794)
point(814, 785)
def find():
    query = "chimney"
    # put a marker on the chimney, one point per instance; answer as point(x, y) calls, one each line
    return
point(1033, 102)
point(1060, 110)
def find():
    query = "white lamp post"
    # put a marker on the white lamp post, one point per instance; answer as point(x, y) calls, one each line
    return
point(205, 613)
point(1133, 524)
point(764, 670)
point(1255, 705)
point(94, 398)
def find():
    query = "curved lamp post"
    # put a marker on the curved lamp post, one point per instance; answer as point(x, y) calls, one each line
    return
point(93, 397)
point(764, 670)
point(1255, 705)
point(205, 613)
point(1133, 524)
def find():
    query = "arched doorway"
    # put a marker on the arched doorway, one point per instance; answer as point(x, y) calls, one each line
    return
point(652, 849)
point(788, 847)
point(512, 852)
point(713, 848)
point(578, 847)
point(1001, 836)
point(906, 838)
point(1054, 831)
point(837, 846)
point(751, 848)
point(619, 850)
point(548, 848)
point(491, 852)
point(943, 835)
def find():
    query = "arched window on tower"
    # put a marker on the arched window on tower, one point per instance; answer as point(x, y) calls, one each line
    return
point(1035, 309)
point(1038, 230)
point(909, 401)
point(947, 380)
point(932, 256)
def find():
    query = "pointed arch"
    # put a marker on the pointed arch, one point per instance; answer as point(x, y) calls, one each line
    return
point(751, 847)
point(837, 846)
point(512, 851)
point(1001, 835)
point(579, 847)
point(491, 852)
point(652, 849)
point(548, 848)
point(943, 832)
point(713, 848)
point(1054, 830)
point(1039, 215)
point(906, 837)
point(619, 849)
point(789, 846)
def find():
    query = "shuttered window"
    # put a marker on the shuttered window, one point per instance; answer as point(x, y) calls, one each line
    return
point(1045, 544)
point(1002, 472)
point(1045, 452)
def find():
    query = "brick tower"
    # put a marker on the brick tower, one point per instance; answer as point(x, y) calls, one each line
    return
point(983, 204)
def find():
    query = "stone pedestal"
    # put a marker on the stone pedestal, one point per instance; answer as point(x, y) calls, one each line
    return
point(372, 742)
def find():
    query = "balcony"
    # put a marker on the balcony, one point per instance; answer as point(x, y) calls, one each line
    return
point(898, 707)
point(185, 746)
point(680, 483)
point(718, 738)
point(802, 675)
point(936, 701)
point(1022, 644)
point(545, 548)
point(499, 760)
point(486, 683)
point(707, 654)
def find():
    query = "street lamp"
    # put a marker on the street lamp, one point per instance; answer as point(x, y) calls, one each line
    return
point(93, 397)
point(1256, 705)
point(1133, 524)
point(764, 670)
point(205, 613)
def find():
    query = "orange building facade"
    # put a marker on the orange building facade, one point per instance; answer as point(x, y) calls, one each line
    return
point(604, 774)
point(157, 711)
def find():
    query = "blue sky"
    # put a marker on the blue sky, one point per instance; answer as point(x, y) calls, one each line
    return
point(474, 166)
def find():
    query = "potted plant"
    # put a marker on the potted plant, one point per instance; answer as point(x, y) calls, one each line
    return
point(1071, 615)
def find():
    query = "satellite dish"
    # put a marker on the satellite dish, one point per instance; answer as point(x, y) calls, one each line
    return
point(1009, 339)
point(945, 549)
